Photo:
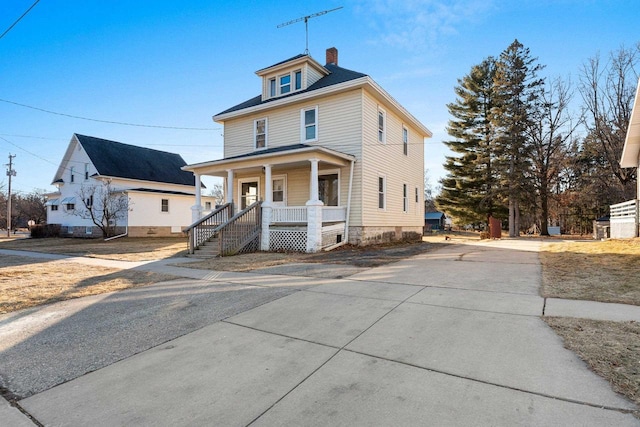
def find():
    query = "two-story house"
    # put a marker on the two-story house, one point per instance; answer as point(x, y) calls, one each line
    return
point(158, 192)
point(331, 155)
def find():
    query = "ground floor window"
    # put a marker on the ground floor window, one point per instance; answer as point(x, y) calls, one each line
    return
point(248, 193)
point(164, 205)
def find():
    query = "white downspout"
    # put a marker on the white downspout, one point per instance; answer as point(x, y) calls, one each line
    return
point(348, 213)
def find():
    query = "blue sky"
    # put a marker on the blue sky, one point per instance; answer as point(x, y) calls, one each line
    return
point(169, 63)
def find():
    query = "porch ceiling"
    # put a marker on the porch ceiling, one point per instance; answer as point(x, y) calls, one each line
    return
point(297, 157)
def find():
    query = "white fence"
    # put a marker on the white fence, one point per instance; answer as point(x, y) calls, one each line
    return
point(623, 219)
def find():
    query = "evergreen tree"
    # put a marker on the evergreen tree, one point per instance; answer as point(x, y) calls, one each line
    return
point(517, 90)
point(469, 190)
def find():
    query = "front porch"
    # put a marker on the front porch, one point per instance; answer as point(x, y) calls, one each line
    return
point(300, 192)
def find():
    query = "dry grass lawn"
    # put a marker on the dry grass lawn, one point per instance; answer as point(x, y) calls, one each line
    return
point(29, 282)
point(605, 271)
point(123, 249)
point(611, 349)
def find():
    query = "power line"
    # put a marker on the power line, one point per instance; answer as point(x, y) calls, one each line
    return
point(105, 121)
point(18, 20)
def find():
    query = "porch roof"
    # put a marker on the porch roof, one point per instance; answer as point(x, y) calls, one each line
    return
point(631, 148)
point(296, 154)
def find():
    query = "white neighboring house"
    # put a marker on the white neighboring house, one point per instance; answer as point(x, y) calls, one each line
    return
point(159, 193)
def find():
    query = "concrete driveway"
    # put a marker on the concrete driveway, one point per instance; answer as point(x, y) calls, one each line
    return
point(451, 337)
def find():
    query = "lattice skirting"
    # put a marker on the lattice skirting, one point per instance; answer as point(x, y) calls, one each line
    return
point(288, 240)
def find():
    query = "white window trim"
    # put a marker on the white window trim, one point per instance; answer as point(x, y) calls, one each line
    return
point(71, 174)
point(284, 190)
point(279, 84)
point(303, 126)
point(384, 126)
point(266, 133)
point(240, 182)
point(293, 78)
point(168, 207)
point(384, 192)
point(405, 143)
point(88, 230)
point(405, 198)
point(332, 172)
point(274, 93)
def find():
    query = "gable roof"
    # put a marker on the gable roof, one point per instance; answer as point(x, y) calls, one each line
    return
point(118, 160)
point(434, 215)
point(631, 150)
point(336, 75)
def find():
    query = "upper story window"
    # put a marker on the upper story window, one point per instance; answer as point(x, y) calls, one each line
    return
point(164, 205)
point(298, 79)
point(309, 119)
point(260, 133)
point(86, 171)
point(285, 84)
point(405, 198)
point(405, 140)
point(382, 123)
point(272, 87)
point(71, 174)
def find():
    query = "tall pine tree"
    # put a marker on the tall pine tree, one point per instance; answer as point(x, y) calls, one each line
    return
point(469, 190)
point(517, 90)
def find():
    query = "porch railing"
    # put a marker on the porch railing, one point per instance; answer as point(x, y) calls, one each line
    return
point(241, 234)
point(205, 228)
point(298, 214)
point(289, 214)
point(334, 214)
point(623, 210)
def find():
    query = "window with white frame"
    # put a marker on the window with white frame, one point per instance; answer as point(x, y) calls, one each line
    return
point(405, 140)
point(309, 119)
point(382, 123)
point(278, 190)
point(272, 87)
point(164, 205)
point(207, 206)
point(71, 174)
point(260, 133)
point(382, 190)
point(88, 230)
point(329, 187)
point(86, 171)
point(54, 207)
point(297, 76)
point(285, 84)
point(405, 198)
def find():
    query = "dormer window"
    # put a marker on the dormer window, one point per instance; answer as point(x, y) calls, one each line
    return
point(298, 79)
point(285, 84)
point(272, 87)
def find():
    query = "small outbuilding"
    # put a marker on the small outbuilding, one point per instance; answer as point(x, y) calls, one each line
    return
point(434, 221)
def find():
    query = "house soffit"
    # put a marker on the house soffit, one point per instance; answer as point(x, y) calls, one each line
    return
point(631, 152)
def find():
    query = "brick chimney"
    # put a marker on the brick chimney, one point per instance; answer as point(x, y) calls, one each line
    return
point(332, 56)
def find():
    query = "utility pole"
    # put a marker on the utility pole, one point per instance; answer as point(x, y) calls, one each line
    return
point(10, 173)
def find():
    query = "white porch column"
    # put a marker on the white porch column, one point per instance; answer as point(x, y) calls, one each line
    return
point(196, 210)
point(267, 208)
point(229, 193)
point(314, 212)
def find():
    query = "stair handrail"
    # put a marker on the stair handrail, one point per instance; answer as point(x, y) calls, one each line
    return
point(206, 227)
point(232, 241)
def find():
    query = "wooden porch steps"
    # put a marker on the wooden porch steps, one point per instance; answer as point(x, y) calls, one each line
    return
point(207, 250)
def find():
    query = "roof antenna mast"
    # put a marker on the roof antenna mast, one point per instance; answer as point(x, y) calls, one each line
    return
point(306, 25)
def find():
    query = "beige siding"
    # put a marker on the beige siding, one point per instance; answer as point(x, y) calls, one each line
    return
point(313, 75)
point(388, 160)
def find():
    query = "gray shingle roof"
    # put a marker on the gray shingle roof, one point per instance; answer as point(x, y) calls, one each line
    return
point(116, 159)
point(336, 75)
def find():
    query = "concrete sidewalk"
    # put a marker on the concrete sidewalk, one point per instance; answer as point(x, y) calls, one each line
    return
point(452, 337)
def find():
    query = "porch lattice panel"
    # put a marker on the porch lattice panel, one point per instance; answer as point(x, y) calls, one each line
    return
point(288, 240)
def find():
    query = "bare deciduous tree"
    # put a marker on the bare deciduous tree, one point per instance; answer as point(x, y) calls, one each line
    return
point(103, 205)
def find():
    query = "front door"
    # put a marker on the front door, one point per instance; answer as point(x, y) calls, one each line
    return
point(248, 193)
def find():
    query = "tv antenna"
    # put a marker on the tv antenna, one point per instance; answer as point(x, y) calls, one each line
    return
point(306, 25)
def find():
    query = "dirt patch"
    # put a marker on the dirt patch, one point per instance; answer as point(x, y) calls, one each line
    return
point(611, 349)
point(606, 271)
point(362, 257)
point(123, 249)
point(28, 282)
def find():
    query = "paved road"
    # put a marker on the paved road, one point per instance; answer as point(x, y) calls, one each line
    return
point(451, 337)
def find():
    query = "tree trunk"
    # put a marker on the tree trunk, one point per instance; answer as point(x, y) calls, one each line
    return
point(512, 219)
